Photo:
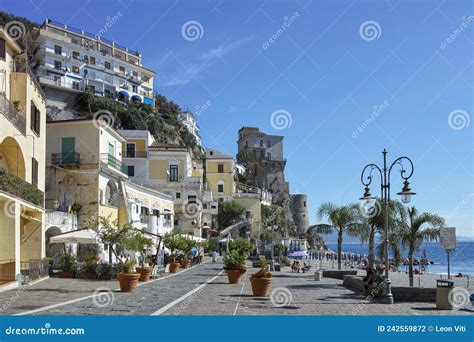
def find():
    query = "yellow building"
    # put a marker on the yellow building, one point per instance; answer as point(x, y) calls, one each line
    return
point(88, 172)
point(22, 167)
point(220, 173)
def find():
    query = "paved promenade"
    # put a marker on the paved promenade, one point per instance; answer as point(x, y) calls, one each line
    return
point(202, 290)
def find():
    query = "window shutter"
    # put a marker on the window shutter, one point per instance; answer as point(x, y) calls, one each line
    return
point(3, 53)
point(34, 172)
point(38, 120)
point(32, 116)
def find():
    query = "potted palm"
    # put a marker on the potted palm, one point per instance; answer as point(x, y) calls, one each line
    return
point(234, 260)
point(68, 266)
point(261, 281)
point(128, 279)
point(234, 265)
point(174, 242)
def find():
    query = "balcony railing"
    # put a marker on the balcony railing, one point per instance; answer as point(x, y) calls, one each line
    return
point(135, 154)
point(112, 162)
point(71, 158)
point(20, 188)
point(16, 117)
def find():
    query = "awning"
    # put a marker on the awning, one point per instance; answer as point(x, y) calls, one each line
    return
point(195, 238)
point(136, 98)
point(79, 236)
point(298, 255)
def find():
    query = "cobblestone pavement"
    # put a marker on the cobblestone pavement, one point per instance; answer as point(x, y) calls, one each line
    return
point(294, 294)
point(145, 300)
point(202, 291)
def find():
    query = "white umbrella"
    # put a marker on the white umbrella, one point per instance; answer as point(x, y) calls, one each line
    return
point(78, 236)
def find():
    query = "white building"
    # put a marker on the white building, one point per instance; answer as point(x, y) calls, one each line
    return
point(69, 60)
point(189, 120)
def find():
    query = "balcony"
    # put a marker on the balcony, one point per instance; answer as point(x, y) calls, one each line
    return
point(112, 162)
point(16, 186)
point(72, 158)
point(135, 154)
point(16, 117)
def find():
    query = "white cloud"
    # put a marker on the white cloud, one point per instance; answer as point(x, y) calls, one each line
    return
point(185, 72)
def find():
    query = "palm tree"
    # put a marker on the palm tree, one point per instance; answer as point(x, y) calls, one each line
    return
point(342, 219)
point(372, 223)
point(412, 234)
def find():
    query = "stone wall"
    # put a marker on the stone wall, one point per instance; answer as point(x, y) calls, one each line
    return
point(338, 274)
point(400, 293)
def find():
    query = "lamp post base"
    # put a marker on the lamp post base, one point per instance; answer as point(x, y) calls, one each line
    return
point(387, 297)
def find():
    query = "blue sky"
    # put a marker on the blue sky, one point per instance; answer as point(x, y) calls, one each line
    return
point(406, 81)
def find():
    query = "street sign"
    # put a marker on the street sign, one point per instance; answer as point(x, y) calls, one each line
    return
point(447, 238)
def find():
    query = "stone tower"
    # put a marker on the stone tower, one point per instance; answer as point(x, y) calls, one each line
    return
point(299, 210)
point(262, 156)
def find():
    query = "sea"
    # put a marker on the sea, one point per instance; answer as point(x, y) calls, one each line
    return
point(461, 259)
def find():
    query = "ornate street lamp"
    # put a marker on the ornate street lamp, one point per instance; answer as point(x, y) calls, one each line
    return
point(406, 193)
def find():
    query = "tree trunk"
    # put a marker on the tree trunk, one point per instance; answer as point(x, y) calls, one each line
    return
point(372, 247)
point(339, 249)
point(410, 263)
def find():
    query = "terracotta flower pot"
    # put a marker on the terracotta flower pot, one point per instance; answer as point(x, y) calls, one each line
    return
point(128, 281)
point(174, 266)
point(234, 276)
point(185, 263)
point(260, 286)
point(66, 274)
point(145, 273)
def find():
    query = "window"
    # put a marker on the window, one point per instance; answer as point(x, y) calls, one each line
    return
point(156, 212)
point(131, 171)
point(213, 207)
point(122, 70)
point(192, 199)
point(145, 78)
point(220, 168)
point(92, 60)
point(58, 65)
point(34, 172)
point(130, 150)
point(58, 50)
point(268, 143)
point(173, 173)
point(220, 187)
point(204, 205)
point(135, 88)
point(135, 74)
point(176, 222)
point(178, 195)
point(269, 156)
point(107, 65)
point(2, 49)
point(304, 204)
point(75, 85)
point(261, 143)
point(35, 118)
point(75, 69)
point(75, 55)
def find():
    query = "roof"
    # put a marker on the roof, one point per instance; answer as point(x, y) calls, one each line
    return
point(160, 145)
point(111, 130)
point(9, 39)
point(214, 154)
